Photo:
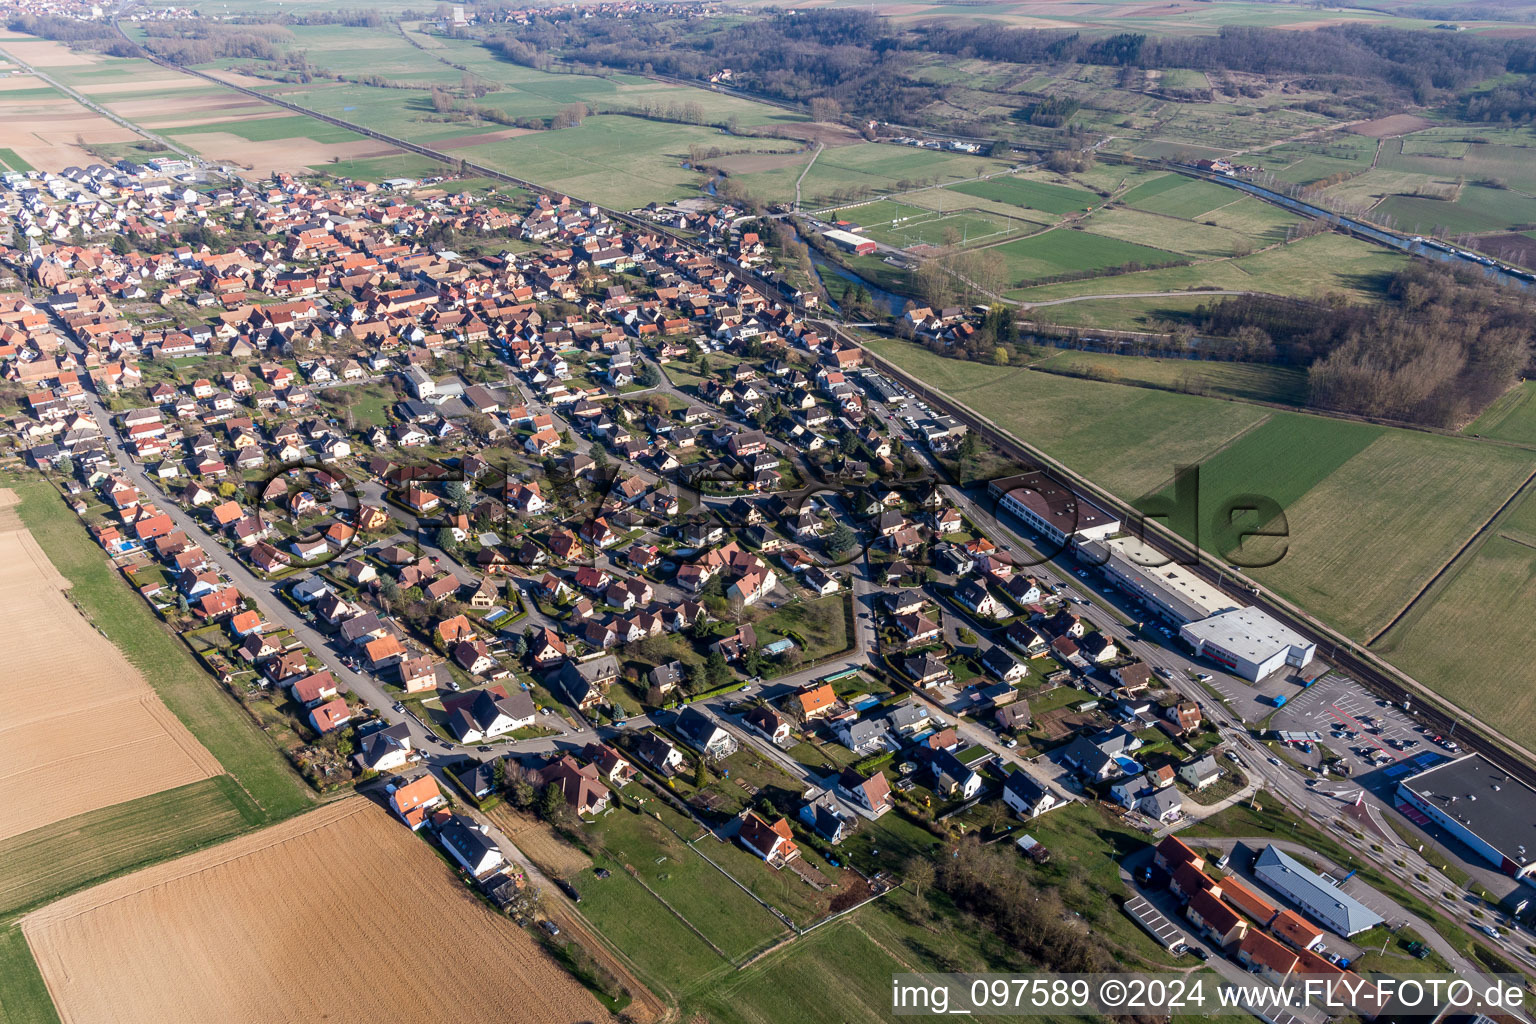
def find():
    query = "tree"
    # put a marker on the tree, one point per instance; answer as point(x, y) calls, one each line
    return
point(459, 495)
point(551, 803)
point(444, 538)
point(698, 679)
point(649, 376)
point(703, 365)
point(919, 874)
point(65, 465)
point(841, 539)
point(716, 669)
point(700, 773)
point(499, 773)
point(824, 108)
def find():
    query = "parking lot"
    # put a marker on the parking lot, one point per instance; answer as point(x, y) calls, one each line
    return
point(1366, 732)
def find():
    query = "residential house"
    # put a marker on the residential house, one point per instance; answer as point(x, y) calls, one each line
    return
point(773, 842)
point(414, 800)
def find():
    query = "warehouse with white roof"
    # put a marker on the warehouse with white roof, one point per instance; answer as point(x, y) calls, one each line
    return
point(1249, 642)
point(1169, 589)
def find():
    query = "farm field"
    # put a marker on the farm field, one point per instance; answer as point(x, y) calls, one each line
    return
point(57, 859)
point(1456, 626)
point(1064, 251)
point(1139, 314)
point(1032, 194)
point(1186, 237)
point(1309, 268)
point(197, 938)
point(81, 722)
point(42, 127)
point(215, 719)
point(1373, 512)
point(1187, 198)
point(1246, 381)
point(840, 171)
point(1511, 417)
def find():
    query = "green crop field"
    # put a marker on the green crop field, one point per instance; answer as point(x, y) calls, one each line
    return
point(1259, 382)
point(42, 865)
point(24, 999)
point(1188, 200)
point(1309, 268)
point(1476, 209)
point(1155, 187)
point(11, 160)
point(1027, 192)
point(1062, 251)
point(1511, 417)
point(1185, 237)
point(1140, 314)
point(914, 225)
point(191, 694)
point(269, 129)
point(1475, 650)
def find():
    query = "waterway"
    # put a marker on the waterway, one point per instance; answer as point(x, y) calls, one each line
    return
point(896, 304)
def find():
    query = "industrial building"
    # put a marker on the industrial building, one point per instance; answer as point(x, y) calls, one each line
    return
point(1052, 509)
point(1327, 904)
point(1169, 589)
point(1480, 804)
point(850, 242)
point(1249, 642)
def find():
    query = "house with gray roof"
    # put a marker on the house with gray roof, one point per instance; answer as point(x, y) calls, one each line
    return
point(1320, 898)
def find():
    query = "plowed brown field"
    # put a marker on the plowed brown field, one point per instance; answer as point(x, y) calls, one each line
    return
point(81, 728)
point(339, 915)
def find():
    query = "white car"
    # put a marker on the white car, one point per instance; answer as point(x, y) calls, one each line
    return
point(1490, 931)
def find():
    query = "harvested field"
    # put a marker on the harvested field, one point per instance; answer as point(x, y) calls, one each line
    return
point(20, 80)
point(281, 154)
point(465, 141)
point(44, 53)
point(81, 723)
point(751, 163)
point(48, 132)
point(1386, 127)
point(171, 82)
point(191, 107)
point(536, 839)
point(232, 934)
point(1511, 245)
point(195, 122)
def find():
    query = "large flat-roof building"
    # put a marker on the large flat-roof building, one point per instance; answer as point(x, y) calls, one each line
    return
point(1249, 642)
point(1327, 904)
point(850, 242)
point(1053, 509)
point(1166, 587)
point(1483, 806)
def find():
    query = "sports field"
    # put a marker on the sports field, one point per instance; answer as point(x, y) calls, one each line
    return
point(900, 225)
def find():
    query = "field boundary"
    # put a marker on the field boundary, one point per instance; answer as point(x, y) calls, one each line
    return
point(1446, 569)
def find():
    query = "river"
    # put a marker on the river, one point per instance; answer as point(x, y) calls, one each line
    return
point(897, 304)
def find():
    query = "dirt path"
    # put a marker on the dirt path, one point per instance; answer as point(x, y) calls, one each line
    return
point(811, 163)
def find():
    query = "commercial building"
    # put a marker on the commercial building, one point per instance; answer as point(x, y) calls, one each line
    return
point(850, 242)
point(1480, 804)
point(1169, 589)
point(1249, 642)
point(1329, 905)
point(1052, 509)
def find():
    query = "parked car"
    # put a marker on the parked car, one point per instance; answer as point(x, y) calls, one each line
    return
point(550, 926)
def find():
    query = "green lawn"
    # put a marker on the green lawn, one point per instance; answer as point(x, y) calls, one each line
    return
point(711, 902)
point(191, 694)
point(270, 129)
point(820, 625)
point(1028, 192)
point(42, 865)
point(1188, 199)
